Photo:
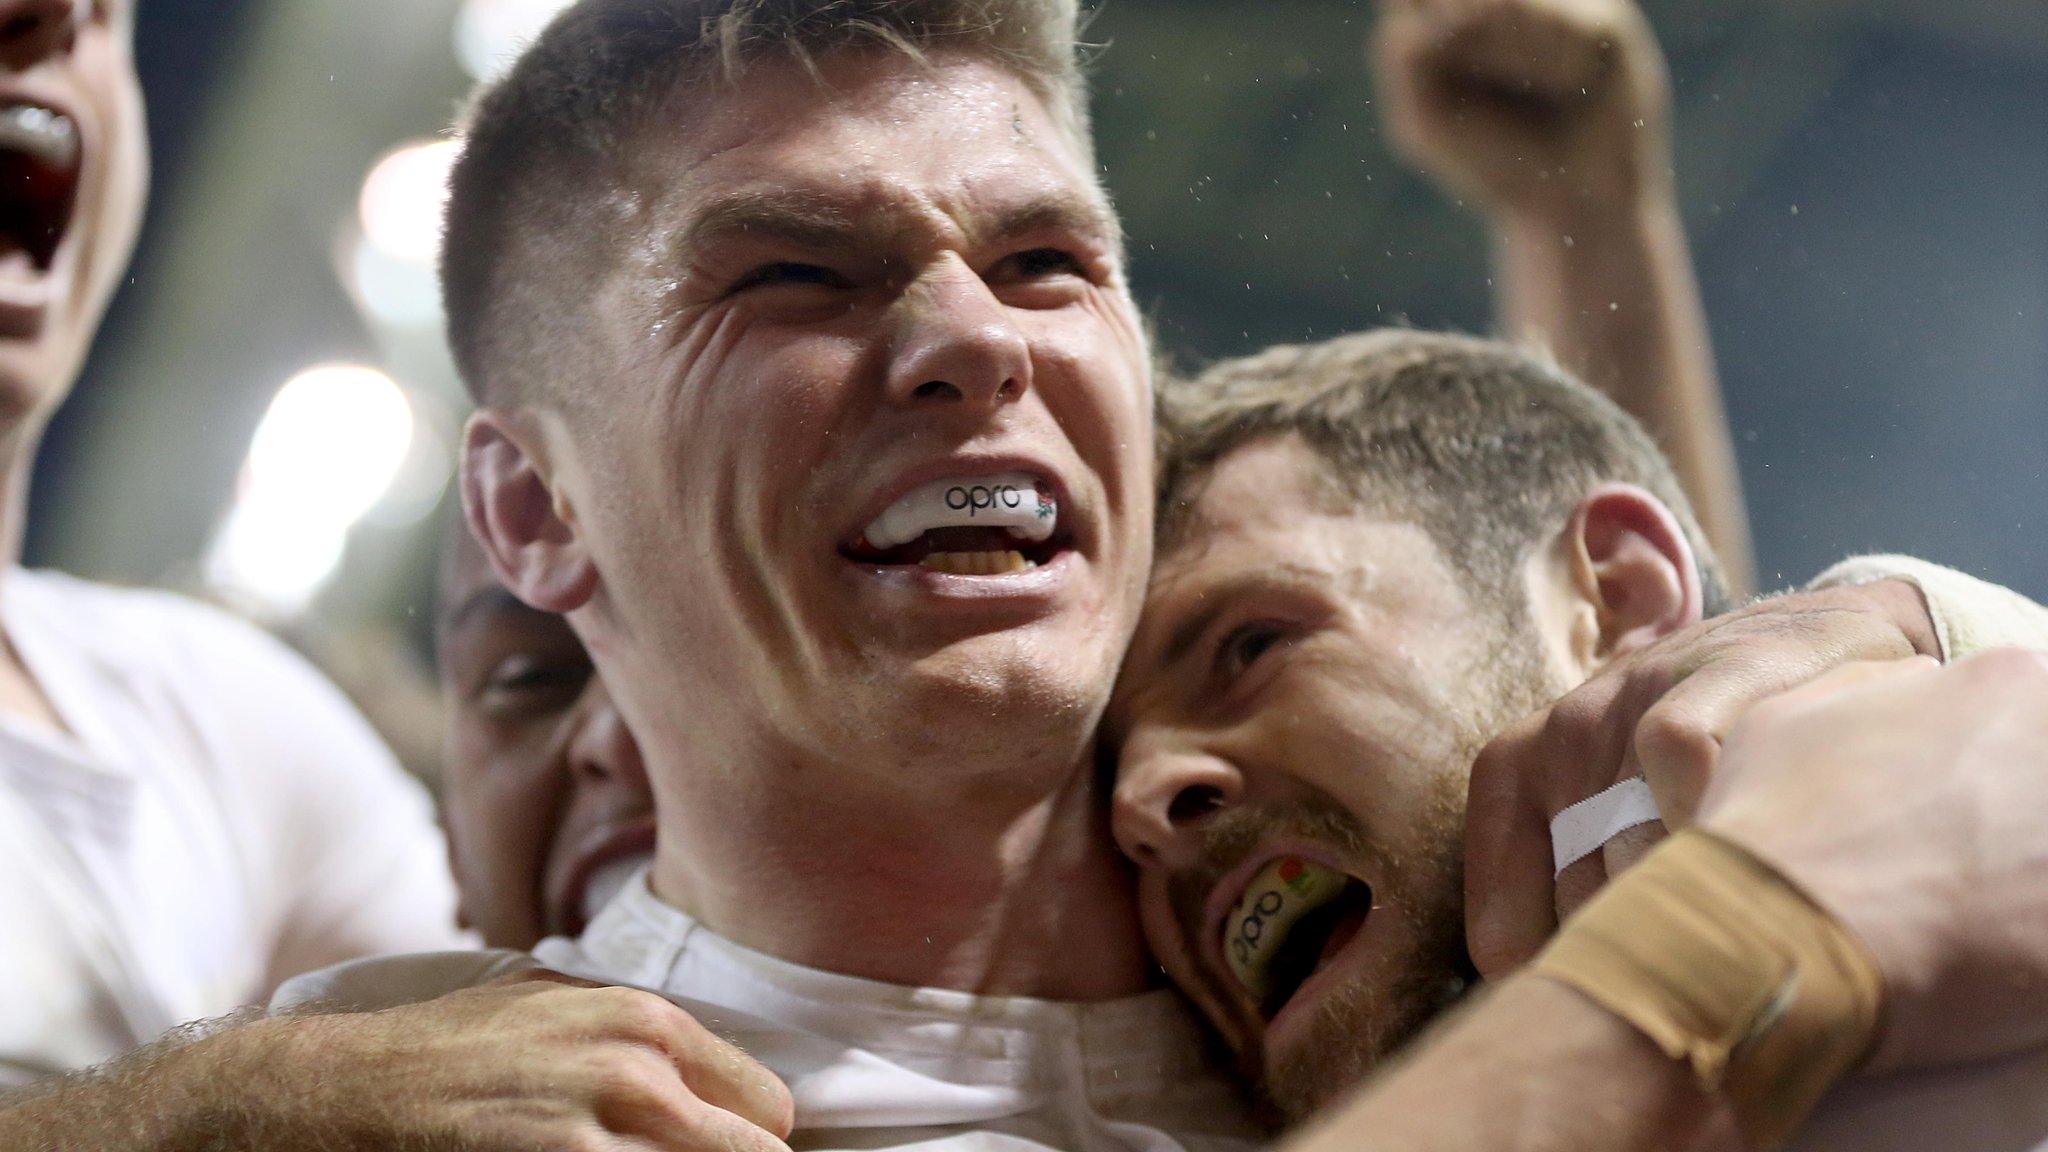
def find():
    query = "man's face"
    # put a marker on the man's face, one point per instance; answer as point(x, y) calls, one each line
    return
point(1295, 726)
point(870, 480)
point(73, 171)
point(547, 798)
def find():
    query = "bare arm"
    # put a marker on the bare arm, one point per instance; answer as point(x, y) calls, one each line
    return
point(164, 1097)
point(1551, 116)
point(1818, 782)
point(1616, 301)
point(1534, 1067)
point(540, 1062)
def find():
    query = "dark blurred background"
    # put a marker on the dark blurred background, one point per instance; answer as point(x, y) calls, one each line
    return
point(1865, 185)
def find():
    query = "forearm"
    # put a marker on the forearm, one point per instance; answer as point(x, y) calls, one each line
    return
point(1613, 294)
point(1533, 1067)
point(168, 1096)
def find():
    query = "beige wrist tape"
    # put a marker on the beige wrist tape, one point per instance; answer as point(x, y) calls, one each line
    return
point(1726, 966)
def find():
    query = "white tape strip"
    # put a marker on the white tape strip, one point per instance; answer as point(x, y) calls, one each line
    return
point(1580, 830)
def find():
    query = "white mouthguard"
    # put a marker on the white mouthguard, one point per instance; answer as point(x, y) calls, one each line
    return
point(1010, 501)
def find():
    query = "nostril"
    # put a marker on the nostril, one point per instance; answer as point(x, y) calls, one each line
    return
point(1194, 804)
point(937, 390)
point(34, 30)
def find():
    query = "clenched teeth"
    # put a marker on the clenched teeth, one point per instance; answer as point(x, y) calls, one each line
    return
point(1011, 502)
point(977, 563)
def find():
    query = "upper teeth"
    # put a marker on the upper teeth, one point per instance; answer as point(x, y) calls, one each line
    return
point(44, 134)
point(1012, 501)
point(1279, 896)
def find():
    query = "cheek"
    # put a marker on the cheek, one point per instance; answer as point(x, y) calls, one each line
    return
point(759, 407)
point(1155, 913)
point(502, 814)
point(1095, 376)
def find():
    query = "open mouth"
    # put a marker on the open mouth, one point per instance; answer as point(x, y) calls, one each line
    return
point(40, 161)
point(604, 860)
point(967, 526)
point(1294, 916)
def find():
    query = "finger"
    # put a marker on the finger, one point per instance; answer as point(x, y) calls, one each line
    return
point(672, 1120)
point(724, 1076)
point(1860, 673)
point(1676, 743)
point(541, 976)
point(1577, 884)
point(1629, 847)
point(1583, 880)
point(1509, 897)
point(713, 1130)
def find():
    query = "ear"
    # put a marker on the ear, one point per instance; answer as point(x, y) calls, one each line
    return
point(1632, 569)
point(517, 512)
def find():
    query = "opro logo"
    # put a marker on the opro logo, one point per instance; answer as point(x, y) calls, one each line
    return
point(976, 499)
point(1253, 927)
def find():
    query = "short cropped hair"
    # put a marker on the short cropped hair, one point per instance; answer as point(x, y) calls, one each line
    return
point(1485, 446)
point(528, 209)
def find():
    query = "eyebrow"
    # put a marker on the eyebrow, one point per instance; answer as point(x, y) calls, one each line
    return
point(1219, 597)
point(798, 218)
point(1184, 637)
point(808, 220)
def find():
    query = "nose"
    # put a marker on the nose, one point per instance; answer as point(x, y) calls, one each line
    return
point(604, 754)
point(1163, 800)
point(32, 31)
point(958, 346)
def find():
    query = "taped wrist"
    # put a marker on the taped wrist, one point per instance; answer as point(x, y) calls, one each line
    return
point(1727, 967)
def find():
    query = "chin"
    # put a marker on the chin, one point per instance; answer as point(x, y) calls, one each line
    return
point(34, 378)
point(995, 695)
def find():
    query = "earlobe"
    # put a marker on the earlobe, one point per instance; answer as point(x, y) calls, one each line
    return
point(515, 512)
point(1634, 567)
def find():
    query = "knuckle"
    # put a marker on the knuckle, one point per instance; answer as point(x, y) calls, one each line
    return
point(631, 1076)
point(1672, 736)
point(1575, 715)
point(636, 1015)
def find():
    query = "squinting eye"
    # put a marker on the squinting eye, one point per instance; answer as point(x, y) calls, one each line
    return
point(1040, 262)
point(526, 685)
point(790, 272)
point(1243, 647)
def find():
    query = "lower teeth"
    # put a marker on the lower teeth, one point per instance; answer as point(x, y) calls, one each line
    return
point(977, 563)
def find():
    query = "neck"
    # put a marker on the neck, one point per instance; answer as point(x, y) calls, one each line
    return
point(17, 459)
point(20, 695)
point(1027, 897)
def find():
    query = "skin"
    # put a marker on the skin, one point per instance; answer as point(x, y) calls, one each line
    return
point(905, 305)
point(74, 57)
point(1813, 781)
point(1338, 645)
point(1340, 662)
point(545, 782)
point(1553, 117)
point(534, 1063)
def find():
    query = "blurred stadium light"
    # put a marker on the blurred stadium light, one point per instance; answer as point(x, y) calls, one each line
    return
point(490, 33)
point(328, 449)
